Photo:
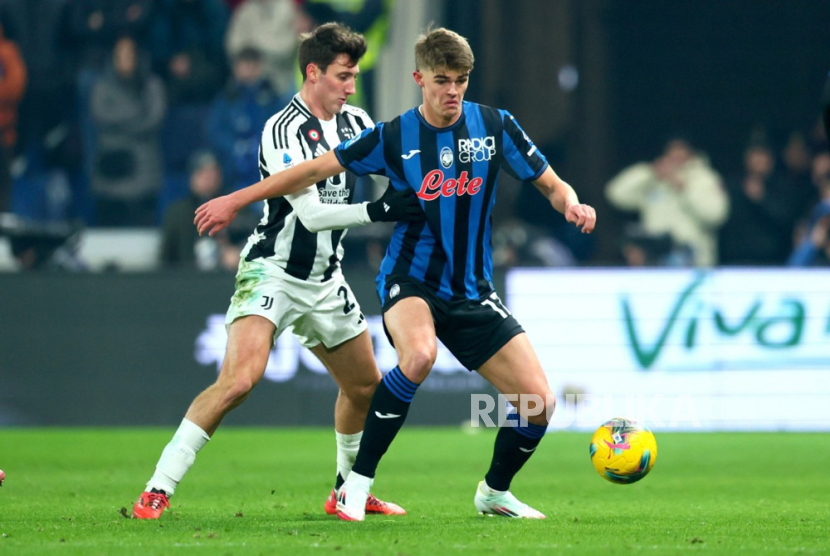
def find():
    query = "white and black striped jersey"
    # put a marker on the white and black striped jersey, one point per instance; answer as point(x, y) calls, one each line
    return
point(291, 136)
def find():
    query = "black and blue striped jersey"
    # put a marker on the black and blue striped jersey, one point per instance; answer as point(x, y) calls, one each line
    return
point(454, 172)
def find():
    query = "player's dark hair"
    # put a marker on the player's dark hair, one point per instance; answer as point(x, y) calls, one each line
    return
point(441, 48)
point(325, 43)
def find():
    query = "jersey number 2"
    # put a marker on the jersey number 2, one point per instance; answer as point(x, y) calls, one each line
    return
point(348, 305)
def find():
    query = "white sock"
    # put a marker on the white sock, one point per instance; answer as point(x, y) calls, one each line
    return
point(347, 447)
point(177, 457)
point(357, 489)
point(485, 488)
point(360, 482)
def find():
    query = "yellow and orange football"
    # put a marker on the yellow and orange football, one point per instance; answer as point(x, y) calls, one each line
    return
point(623, 451)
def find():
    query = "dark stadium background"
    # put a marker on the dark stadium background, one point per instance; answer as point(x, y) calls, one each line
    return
point(711, 70)
point(117, 347)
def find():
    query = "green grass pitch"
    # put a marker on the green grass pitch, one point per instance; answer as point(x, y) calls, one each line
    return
point(261, 491)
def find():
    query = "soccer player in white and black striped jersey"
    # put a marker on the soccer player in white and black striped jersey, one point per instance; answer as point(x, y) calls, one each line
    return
point(290, 274)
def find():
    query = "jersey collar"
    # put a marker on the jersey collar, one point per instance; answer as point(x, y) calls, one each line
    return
point(459, 122)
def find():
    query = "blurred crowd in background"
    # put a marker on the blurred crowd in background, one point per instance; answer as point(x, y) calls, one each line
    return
point(685, 213)
point(131, 113)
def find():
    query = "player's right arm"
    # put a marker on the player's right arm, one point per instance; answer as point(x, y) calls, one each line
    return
point(218, 213)
point(363, 154)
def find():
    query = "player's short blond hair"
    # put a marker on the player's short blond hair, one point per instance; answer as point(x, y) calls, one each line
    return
point(443, 49)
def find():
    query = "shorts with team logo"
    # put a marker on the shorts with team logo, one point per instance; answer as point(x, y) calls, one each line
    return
point(472, 329)
point(326, 313)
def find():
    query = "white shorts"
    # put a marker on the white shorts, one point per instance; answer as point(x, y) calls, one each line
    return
point(326, 313)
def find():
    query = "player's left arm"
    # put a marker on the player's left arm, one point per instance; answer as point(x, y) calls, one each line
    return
point(564, 199)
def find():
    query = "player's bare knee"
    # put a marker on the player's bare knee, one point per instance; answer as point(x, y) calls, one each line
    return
point(537, 407)
point(236, 401)
point(236, 389)
point(539, 420)
point(550, 406)
point(417, 363)
point(359, 394)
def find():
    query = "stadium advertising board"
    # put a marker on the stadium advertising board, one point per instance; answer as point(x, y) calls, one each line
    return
point(136, 348)
point(731, 349)
point(288, 358)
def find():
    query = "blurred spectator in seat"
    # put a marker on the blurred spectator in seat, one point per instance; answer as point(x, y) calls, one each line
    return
point(38, 30)
point(762, 213)
point(185, 28)
point(269, 26)
point(553, 242)
point(188, 53)
point(677, 194)
point(92, 28)
point(12, 87)
point(642, 249)
point(179, 235)
point(190, 85)
point(797, 159)
point(48, 180)
point(518, 244)
point(233, 239)
point(128, 104)
point(813, 249)
point(186, 48)
point(181, 246)
point(237, 117)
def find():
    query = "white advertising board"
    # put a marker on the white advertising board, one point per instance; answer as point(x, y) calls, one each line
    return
point(730, 349)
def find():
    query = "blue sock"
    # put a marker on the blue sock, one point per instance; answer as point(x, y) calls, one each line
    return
point(387, 413)
point(514, 446)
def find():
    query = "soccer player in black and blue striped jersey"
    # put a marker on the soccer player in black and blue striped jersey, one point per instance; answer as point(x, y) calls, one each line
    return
point(435, 281)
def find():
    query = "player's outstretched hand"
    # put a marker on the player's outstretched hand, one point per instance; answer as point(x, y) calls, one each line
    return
point(584, 216)
point(396, 206)
point(215, 215)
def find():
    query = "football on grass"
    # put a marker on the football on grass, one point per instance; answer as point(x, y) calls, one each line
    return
point(623, 451)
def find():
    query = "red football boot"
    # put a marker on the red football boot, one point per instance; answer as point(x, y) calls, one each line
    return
point(150, 505)
point(373, 506)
